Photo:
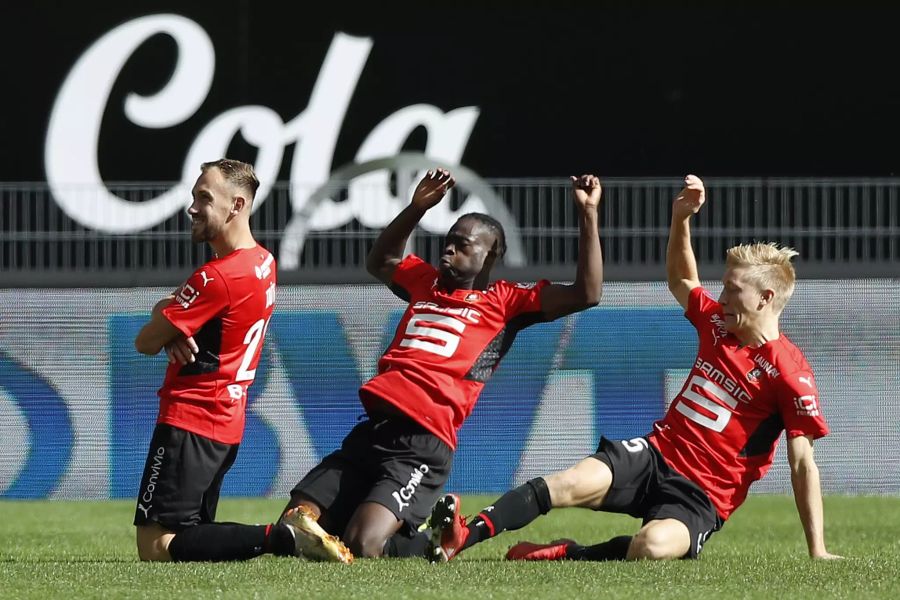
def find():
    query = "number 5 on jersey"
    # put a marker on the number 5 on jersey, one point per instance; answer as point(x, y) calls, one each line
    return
point(720, 414)
point(429, 337)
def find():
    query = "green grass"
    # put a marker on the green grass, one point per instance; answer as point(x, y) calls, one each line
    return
point(86, 550)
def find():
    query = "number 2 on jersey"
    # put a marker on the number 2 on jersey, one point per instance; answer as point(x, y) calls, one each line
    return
point(254, 336)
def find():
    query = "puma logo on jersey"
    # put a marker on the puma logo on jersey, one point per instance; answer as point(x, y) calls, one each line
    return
point(206, 278)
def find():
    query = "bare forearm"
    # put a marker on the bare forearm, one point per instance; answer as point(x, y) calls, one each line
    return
point(390, 245)
point(159, 306)
point(808, 496)
point(156, 332)
point(681, 264)
point(589, 272)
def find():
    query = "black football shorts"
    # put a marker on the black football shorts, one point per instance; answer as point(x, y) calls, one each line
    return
point(645, 486)
point(386, 459)
point(182, 478)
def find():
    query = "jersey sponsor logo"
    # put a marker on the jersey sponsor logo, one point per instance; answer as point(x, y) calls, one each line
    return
point(720, 332)
point(768, 367)
point(807, 406)
point(187, 295)
point(155, 468)
point(470, 314)
point(754, 375)
point(206, 278)
point(405, 494)
point(717, 376)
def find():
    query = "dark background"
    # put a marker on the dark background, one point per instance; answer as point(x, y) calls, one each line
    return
point(562, 87)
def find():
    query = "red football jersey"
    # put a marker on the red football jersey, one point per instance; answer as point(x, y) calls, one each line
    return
point(448, 344)
point(722, 429)
point(225, 305)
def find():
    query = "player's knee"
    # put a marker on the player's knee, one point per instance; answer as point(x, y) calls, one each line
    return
point(657, 543)
point(365, 545)
point(152, 546)
point(563, 487)
point(152, 550)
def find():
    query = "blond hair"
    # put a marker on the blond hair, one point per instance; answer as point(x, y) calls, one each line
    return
point(237, 173)
point(768, 267)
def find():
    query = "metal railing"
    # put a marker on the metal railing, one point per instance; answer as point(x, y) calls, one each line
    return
point(841, 227)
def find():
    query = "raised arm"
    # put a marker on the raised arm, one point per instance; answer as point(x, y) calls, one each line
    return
point(681, 266)
point(808, 494)
point(560, 300)
point(387, 252)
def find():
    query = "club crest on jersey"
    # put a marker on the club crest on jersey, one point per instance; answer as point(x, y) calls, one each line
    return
point(754, 375)
point(473, 297)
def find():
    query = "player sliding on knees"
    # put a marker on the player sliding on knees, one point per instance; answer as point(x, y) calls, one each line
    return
point(684, 479)
point(213, 331)
point(378, 488)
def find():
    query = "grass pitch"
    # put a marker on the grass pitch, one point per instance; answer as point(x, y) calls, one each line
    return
point(56, 549)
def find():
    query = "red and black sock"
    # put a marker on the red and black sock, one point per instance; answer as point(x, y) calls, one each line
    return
point(514, 510)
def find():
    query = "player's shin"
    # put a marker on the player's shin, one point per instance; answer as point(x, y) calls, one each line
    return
point(229, 541)
point(514, 510)
point(614, 549)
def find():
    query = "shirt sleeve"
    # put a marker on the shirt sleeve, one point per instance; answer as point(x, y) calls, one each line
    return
point(202, 297)
point(520, 298)
point(412, 274)
point(701, 305)
point(801, 409)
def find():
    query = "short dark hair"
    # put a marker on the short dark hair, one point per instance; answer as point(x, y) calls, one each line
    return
point(494, 225)
point(236, 172)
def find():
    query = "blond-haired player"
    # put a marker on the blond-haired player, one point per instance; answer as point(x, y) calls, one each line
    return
point(748, 383)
